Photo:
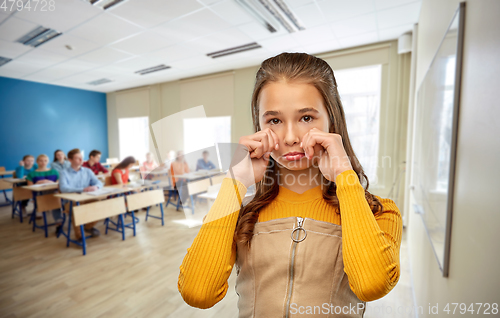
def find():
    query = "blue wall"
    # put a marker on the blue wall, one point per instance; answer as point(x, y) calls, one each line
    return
point(40, 118)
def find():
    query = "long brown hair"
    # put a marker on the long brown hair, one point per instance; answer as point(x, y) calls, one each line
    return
point(308, 69)
point(125, 163)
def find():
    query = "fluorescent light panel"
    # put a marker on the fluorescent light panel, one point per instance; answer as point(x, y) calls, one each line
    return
point(234, 50)
point(38, 36)
point(4, 60)
point(100, 81)
point(272, 14)
point(105, 4)
point(156, 68)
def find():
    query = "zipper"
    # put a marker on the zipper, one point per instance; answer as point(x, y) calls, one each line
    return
point(300, 222)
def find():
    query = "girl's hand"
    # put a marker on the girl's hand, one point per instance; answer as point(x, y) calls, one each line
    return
point(328, 148)
point(252, 156)
point(21, 163)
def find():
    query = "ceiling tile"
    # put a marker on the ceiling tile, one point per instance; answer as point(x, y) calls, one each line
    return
point(385, 4)
point(41, 58)
point(64, 16)
point(279, 43)
point(313, 35)
point(105, 29)
point(257, 32)
point(355, 26)
point(394, 33)
point(195, 25)
point(17, 69)
point(12, 49)
point(80, 46)
point(61, 70)
point(192, 62)
point(399, 15)
point(360, 39)
point(132, 65)
point(142, 43)
point(104, 55)
point(174, 52)
point(335, 10)
point(209, 2)
point(298, 3)
point(310, 15)
point(149, 13)
point(220, 41)
point(322, 46)
point(13, 28)
point(230, 11)
point(3, 16)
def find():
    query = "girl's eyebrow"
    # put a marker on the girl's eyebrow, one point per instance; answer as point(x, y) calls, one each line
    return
point(302, 110)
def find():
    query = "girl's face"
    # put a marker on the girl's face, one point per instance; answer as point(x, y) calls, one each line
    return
point(42, 162)
point(291, 110)
point(28, 162)
point(60, 156)
point(130, 166)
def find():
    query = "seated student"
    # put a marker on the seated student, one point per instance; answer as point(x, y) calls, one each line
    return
point(45, 175)
point(148, 165)
point(25, 167)
point(94, 164)
point(179, 166)
point(79, 179)
point(60, 162)
point(119, 175)
point(204, 163)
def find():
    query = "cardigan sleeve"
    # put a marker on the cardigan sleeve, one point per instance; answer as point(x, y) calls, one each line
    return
point(371, 242)
point(209, 261)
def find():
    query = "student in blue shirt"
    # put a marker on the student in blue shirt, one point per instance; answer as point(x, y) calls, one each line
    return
point(26, 166)
point(60, 162)
point(204, 163)
point(79, 179)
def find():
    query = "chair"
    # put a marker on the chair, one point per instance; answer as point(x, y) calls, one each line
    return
point(19, 194)
point(96, 211)
point(217, 179)
point(45, 203)
point(146, 200)
point(108, 180)
point(4, 187)
point(196, 187)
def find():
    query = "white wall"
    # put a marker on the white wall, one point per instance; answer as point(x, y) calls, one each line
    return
point(474, 262)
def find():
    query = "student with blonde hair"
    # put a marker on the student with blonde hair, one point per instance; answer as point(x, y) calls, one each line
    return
point(42, 175)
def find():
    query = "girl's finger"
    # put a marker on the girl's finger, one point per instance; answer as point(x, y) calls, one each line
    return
point(270, 141)
point(275, 139)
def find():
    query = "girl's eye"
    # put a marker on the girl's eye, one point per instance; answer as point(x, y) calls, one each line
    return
point(274, 121)
point(307, 118)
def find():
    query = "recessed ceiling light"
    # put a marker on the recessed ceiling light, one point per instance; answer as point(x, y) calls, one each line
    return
point(38, 36)
point(234, 50)
point(272, 14)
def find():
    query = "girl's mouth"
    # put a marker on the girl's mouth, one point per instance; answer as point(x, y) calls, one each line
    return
point(292, 156)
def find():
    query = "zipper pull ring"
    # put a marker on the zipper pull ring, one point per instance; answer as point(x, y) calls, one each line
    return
point(300, 221)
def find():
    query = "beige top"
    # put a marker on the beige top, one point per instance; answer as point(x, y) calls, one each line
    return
point(281, 276)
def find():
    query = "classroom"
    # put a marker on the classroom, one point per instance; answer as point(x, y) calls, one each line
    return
point(249, 158)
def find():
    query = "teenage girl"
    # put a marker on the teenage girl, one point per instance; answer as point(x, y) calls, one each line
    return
point(313, 240)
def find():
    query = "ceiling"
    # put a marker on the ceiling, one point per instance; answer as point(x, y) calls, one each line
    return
point(139, 34)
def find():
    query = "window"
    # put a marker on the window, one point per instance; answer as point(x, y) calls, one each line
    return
point(359, 90)
point(134, 137)
point(200, 133)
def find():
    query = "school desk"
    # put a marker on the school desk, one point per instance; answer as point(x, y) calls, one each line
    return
point(76, 199)
point(38, 190)
point(18, 194)
point(5, 186)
